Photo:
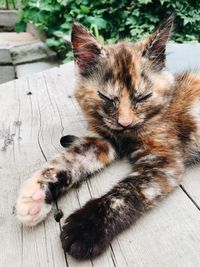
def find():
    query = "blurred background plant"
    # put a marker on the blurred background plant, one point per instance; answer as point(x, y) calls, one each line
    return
point(109, 20)
point(9, 4)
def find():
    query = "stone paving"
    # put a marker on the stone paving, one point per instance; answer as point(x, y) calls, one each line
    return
point(9, 39)
point(7, 70)
point(22, 54)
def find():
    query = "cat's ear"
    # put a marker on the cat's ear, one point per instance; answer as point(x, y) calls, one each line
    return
point(155, 46)
point(85, 47)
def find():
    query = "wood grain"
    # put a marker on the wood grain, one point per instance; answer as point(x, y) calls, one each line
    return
point(34, 113)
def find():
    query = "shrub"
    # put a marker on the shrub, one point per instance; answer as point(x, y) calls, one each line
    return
point(9, 4)
point(111, 20)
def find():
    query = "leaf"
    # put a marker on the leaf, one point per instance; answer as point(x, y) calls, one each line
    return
point(144, 1)
point(20, 26)
point(52, 42)
point(69, 57)
point(101, 23)
point(84, 9)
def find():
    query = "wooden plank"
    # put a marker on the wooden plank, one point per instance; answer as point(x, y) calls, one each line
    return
point(167, 236)
point(9, 228)
point(20, 115)
point(42, 113)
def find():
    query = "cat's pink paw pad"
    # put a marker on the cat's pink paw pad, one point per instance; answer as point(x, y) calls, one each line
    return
point(38, 195)
point(31, 207)
point(35, 209)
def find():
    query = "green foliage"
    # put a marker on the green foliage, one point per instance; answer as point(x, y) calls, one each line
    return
point(9, 4)
point(110, 20)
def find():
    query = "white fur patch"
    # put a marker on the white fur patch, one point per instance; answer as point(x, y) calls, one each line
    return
point(152, 191)
point(172, 177)
point(134, 174)
point(111, 153)
point(147, 158)
point(117, 203)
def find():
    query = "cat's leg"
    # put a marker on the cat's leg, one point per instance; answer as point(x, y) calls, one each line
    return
point(82, 158)
point(89, 230)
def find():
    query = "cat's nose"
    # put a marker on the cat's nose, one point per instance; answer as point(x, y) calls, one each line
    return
point(124, 122)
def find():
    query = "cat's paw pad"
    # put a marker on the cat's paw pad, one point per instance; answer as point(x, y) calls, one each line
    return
point(84, 234)
point(31, 207)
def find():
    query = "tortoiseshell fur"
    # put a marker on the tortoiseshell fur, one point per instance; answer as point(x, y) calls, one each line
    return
point(135, 109)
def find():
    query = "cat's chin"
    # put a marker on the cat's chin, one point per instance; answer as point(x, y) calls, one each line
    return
point(125, 129)
point(111, 126)
point(115, 127)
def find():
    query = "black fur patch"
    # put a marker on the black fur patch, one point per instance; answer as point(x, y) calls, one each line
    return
point(108, 76)
point(84, 232)
point(55, 189)
point(123, 145)
point(67, 140)
point(58, 214)
point(184, 132)
point(123, 62)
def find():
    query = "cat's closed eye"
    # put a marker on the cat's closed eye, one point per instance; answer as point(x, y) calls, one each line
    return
point(109, 104)
point(106, 99)
point(142, 98)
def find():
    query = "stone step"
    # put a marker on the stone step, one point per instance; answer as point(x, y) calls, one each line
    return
point(31, 52)
point(5, 58)
point(8, 18)
point(7, 73)
point(30, 68)
point(22, 54)
point(9, 39)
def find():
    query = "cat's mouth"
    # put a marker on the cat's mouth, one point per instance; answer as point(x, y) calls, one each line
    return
point(117, 127)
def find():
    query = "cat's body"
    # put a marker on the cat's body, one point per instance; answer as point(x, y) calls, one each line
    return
point(135, 109)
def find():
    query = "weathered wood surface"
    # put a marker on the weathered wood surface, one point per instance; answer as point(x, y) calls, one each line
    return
point(30, 128)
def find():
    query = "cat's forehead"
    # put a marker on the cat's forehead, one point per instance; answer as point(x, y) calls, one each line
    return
point(124, 56)
point(123, 65)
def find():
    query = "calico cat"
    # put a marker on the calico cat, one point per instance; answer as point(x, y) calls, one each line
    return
point(135, 109)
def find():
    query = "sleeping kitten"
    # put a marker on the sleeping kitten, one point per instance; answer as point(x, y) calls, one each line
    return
point(135, 109)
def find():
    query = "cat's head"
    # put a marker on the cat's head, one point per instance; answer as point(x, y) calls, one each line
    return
point(123, 85)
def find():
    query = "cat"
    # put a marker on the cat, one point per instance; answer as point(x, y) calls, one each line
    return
point(135, 109)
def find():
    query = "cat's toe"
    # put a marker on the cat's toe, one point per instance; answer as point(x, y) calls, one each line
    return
point(84, 234)
point(31, 207)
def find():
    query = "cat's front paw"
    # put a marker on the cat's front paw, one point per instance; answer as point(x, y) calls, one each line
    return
point(84, 233)
point(31, 207)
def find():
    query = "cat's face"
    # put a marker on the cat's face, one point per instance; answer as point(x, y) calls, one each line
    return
point(124, 84)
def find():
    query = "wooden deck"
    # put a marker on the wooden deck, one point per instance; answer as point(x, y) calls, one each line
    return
point(34, 113)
